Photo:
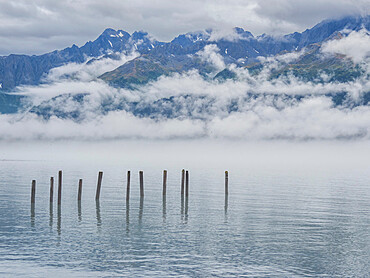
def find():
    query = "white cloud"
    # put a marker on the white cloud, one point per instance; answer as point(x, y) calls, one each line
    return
point(114, 125)
point(88, 70)
point(281, 58)
point(355, 46)
point(76, 78)
point(227, 34)
point(210, 54)
point(313, 118)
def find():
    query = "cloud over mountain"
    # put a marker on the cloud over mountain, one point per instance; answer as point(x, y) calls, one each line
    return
point(131, 86)
point(356, 46)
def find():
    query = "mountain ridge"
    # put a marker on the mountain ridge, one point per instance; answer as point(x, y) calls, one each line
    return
point(18, 70)
point(182, 54)
point(242, 52)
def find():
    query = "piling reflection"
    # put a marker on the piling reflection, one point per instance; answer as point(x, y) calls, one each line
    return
point(127, 215)
point(141, 209)
point(164, 209)
point(79, 211)
point(182, 207)
point(186, 209)
point(50, 214)
point(226, 205)
point(59, 219)
point(98, 215)
point(32, 214)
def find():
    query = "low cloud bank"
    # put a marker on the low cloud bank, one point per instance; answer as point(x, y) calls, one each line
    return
point(313, 118)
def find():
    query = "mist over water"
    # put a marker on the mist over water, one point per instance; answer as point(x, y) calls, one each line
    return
point(293, 209)
point(197, 152)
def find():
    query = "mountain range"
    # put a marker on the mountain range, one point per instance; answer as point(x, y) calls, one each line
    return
point(183, 53)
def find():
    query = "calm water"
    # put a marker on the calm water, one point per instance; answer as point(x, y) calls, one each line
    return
point(293, 211)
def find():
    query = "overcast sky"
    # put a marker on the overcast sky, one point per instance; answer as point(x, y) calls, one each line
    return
point(39, 26)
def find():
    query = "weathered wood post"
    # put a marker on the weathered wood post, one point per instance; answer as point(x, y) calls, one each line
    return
point(98, 187)
point(59, 188)
point(79, 190)
point(33, 191)
point(164, 182)
point(187, 184)
point(141, 175)
point(226, 182)
point(51, 189)
point(182, 181)
point(128, 186)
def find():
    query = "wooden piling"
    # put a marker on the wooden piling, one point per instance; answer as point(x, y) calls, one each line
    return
point(226, 182)
point(182, 181)
point(164, 182)
point(128, 186)
point(33, 191)
point(59, 188)
point(51, 189)
point(187, 183)
point(98, 187)
point(141, 174)
point(79, 190)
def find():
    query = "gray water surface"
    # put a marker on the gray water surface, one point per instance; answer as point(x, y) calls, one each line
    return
point(283, 217)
